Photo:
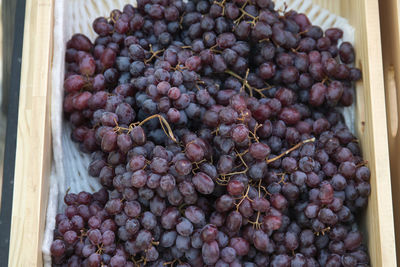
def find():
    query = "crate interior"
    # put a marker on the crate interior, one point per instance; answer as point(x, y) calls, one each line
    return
point(363, 15)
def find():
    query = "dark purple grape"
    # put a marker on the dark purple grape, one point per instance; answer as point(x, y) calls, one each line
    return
point(346, 53)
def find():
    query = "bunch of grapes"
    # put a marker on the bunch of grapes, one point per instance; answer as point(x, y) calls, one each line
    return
point(213, 130)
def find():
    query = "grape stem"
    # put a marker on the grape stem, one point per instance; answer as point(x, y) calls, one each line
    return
point(119, 129)
point(196, 166)
point(246, 83)
point(323, 231)
point(68, 189)
point(362, 163)
point(284, 10)
point(254, 135)
point(223, 180)
point(214, 50)
point(256, 224)
point(222, 5)
point(263, 188)
point(153, 54)
point(244, 13)
point(82, 235)
point(100, 249)
point(290, 150)
point(180, 208)
point(325, 80)
point(282, 178)
point(178, 67)
point(138, 262)
point(164, 124)
point(181, 19)
point(242, 198)
point(170, 262)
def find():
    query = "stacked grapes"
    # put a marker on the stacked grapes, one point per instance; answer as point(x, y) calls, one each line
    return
point(214, 132)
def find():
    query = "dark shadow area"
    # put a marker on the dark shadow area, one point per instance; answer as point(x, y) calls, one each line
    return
point(13, 15)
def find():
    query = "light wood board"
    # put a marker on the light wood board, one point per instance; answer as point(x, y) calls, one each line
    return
point(371, 125)
point(390, 28)
point(33, 155)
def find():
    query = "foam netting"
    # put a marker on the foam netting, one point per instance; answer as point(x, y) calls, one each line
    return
point(69, 163)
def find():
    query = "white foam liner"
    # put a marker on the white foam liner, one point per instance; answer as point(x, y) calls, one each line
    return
point(70, 165)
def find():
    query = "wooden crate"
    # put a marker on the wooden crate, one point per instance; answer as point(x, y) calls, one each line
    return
point(390, 28)
point(34, 147)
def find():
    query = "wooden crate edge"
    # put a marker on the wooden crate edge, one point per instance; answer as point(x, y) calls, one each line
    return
point(33, 153)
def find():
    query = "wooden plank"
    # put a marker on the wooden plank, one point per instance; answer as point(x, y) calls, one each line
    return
point(371, 124)
point(33, 156)
point(371, 127)
point(379, 224)
point(390, 27)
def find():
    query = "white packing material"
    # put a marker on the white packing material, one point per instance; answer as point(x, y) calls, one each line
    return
point(70, 166)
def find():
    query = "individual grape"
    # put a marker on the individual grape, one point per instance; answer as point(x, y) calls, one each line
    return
point(95, 236)
point(289, 164)
point(224, 203)
point(259, 150)
point(261, 241)
point(80, 42)
point(159, 165)
point(334, 34)
point(260, 204)
point(167, 183)
point(346, 53)
point(182, 243)
point(327, 216)
point(114, 206)
point(348, 260)
point(352, 240)
point(234, 221)
point(108, 58)
point(289, 115)
point(194, 152)
point(193, 63)
point(168, 238)
point(70, 237)
point(235, 187)
point(118, 261)
point(136, 52)
point(334, 92)
point(108, 238)
point(183, 167)
point(139, 179)
point(58, 248)
point(74, 83)
point(132, 209)
point(291, 241)
point(203, 183)
point(94, 260)
point(210, 252)
point(195, 215)
point(169, 218)
point(347, 169)
point(228, 254)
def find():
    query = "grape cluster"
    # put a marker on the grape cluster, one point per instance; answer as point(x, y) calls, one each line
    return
point(214, 132)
